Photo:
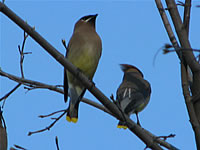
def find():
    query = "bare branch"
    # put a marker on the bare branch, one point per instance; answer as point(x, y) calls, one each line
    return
point(30, 83)
point(21, 51)
point(51, 114)
point(50, 126)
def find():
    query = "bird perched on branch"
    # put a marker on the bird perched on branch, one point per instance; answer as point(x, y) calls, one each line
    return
point(83, 51)
point(133, 93)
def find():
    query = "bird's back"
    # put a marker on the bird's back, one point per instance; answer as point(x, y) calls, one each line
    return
point(133, 93)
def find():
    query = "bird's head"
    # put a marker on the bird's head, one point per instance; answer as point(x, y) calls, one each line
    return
point(89, 19)
point(130, 68)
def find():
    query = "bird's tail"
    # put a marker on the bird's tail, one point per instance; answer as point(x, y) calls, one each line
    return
point(122, 125)
point(72, 114)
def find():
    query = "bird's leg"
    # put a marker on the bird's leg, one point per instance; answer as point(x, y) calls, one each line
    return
point(119, 107)
point(138, 121)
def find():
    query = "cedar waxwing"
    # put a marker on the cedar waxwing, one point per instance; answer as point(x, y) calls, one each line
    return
point(133, 93)
point(83, 51)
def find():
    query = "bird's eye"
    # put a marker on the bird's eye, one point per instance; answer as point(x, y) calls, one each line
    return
point(86, 18)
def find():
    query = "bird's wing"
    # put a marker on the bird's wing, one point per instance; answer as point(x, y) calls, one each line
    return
point(136, 103)
point(65, 86)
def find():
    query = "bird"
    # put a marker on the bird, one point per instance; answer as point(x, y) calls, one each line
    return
point(83, 51)
point(133, 94)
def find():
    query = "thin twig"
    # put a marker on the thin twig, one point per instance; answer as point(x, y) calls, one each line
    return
point(156, 54)
point(21, 52)
point(166, 50)
point(180, 3)
point(30, 83)
point(10, 92)
point(19, 147)
point(166, 137)
point(50, 126)
point(57, 145)
point(51, 114)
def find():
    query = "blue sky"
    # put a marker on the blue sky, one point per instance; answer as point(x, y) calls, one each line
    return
point(131, 32)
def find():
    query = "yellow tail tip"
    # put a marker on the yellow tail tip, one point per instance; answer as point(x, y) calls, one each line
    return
point(74, 120)
point(68, 118)
point(121, 126)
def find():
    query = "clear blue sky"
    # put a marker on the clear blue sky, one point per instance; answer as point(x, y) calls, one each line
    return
point(131, 32)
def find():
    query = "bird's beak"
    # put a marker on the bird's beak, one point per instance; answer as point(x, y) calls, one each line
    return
point(93, 17)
